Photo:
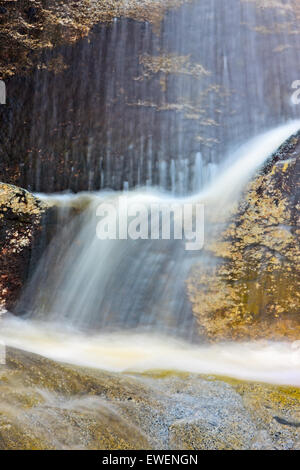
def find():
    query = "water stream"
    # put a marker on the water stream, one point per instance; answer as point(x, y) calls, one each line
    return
point(136, 105)
point(177, 108)
point(122, 305)
point(270, 362)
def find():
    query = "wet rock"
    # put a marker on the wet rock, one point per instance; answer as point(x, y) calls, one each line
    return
point(168, 98)
point(46, 405)
point(220, 422)
point(21, 219)
point(266, 401)
point(60, 23)
point(251, 289)
point(31, 13)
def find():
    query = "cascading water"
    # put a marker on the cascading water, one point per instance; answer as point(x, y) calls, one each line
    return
point(84, 283)
point(132, 106)
point(149, 109)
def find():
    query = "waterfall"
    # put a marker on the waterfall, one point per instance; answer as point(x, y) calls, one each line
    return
point(120, 305)
point(132, 106)
point(121, 284)
point(242, 164)
point(156, 115)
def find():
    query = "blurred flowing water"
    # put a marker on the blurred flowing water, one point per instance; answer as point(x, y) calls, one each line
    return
point(117, 285)
point(270, 362)
point(164, 116)
point(133, 105)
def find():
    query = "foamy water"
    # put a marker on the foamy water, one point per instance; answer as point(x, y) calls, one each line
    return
point(241, 166)
point(270, 362)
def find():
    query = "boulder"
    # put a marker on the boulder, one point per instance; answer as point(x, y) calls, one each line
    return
point(250, 286)
point(21, 227)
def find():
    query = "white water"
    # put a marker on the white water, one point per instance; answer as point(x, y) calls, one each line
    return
point(277, 363)
point(239, 168)
point(119, 285)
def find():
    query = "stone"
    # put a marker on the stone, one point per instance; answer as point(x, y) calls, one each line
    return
point(21, 225)
point(64, 23)
point(251, 289)
point(49, 405)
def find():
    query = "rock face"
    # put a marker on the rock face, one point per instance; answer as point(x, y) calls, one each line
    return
point(56, 406)
point(124, 105)
point(252, 287)
point(21, 217)
point(31, 26)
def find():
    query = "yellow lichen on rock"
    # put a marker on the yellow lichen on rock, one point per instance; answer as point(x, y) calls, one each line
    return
point(253, 292)
point(172, 64)
point(19, 201)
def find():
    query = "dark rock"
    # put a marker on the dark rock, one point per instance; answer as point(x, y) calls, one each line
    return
point(286, 423)
point(21, 217)
point(31, 13)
